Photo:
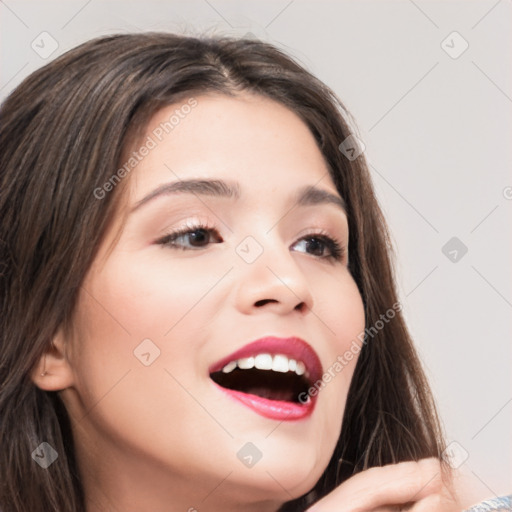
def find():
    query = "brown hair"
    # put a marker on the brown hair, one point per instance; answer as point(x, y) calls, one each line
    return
point(63, 132)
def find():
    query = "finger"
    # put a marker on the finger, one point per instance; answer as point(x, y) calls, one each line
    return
point(440, 501)
point(433, 503)
point(395, 484)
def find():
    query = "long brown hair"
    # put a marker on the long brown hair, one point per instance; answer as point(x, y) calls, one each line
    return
point(63, 132)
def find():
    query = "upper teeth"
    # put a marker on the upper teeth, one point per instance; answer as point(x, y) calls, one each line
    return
point(276, 363)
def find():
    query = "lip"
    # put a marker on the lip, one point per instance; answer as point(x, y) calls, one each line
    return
point(292, 347)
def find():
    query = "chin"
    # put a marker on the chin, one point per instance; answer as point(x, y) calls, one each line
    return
point(281, 475)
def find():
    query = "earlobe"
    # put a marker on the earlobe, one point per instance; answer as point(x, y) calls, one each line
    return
point(53, 372)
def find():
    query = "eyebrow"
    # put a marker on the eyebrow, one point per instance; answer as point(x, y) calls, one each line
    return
point(305, 196)
point(310, 196)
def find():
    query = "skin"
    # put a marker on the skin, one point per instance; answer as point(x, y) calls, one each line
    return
point(162, 437)
point(407, 486)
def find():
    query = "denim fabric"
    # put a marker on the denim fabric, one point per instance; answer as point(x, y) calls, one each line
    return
point(503, 504)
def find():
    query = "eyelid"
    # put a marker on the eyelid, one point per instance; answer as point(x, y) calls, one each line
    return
point(189, 224)
point(318, 231)
point(335, 244)
point(338, 244)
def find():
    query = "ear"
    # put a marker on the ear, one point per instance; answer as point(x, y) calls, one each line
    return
point(54, 372)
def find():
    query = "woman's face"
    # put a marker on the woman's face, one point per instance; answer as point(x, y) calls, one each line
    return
point(160, 312)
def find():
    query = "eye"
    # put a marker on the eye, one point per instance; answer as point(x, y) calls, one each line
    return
point(191, 237)
point(321, 246)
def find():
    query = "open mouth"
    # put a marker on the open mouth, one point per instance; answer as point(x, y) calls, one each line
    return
point(271, 376)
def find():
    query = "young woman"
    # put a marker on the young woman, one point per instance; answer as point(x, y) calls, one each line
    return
point(198, 304)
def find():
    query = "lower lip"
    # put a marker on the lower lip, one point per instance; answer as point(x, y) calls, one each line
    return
point(272, 409)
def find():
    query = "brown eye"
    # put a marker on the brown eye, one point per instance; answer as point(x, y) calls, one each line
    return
point(315, 246)
point(320, 246)
point(191, 238)
point(198, 238)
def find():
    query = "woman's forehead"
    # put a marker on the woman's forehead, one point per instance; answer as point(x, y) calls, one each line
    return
point(257, 142)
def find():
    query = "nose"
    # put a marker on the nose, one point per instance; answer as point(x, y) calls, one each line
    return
point(273, 283)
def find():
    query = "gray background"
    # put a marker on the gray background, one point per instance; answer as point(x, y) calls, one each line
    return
point(437, 129)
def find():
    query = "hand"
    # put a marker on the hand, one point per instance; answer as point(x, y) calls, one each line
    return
point(407, 486)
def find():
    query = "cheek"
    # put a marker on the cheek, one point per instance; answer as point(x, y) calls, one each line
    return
point(341, 310)
point(133, 313)
point(126, 319)
point(148, 298)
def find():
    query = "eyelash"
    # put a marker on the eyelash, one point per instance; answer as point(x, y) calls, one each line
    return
point(337, 250)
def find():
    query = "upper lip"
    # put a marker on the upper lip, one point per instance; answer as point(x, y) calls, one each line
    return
point(292, 347)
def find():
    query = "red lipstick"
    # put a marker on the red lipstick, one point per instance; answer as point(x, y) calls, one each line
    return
point(301, 357)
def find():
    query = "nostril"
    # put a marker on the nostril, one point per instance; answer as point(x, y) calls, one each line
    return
point(262, 302)
point(301, 306)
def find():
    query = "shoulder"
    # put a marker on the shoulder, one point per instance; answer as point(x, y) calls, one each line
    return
point(502, 504)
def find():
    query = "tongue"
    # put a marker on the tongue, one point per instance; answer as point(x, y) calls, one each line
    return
point(272, 394)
